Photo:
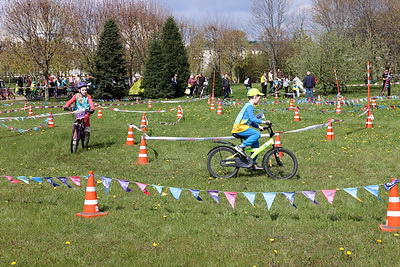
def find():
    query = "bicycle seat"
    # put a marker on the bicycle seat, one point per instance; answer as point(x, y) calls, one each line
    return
point(237, 136)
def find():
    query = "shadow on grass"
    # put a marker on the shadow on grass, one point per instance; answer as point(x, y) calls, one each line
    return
point(101, 145)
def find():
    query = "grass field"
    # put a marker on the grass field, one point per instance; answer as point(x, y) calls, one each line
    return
point(39, 226)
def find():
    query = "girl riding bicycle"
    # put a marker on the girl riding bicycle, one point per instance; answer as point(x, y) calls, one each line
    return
point(83, 101)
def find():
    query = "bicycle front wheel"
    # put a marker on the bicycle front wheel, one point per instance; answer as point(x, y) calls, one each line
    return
point(280, 163)
point(214, 158)
point(74, 140)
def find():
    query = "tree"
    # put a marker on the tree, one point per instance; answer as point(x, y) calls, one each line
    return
point(110, 68)
point(152, 75)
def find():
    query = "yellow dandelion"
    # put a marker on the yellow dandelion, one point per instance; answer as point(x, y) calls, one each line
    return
point(275, 251)
point(348, 252)
point(341, 249)
point(13, 263)
point(271, 239)
point(379, 241)
point(114, 196)
point(396, 234)
point(154, 244)
point(68, 243)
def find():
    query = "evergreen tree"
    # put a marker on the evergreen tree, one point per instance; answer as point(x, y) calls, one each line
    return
point(217, 81)
point(110, 67)
point(167, 57)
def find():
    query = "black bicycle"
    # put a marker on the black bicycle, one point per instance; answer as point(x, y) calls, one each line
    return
point(79, 130)
point(224, 161)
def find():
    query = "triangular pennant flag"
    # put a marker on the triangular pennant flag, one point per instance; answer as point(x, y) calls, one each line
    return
point(353, 192)
point(143, 188)
point(195, 193)
point(231, 197)
point(373, 189)
point(50, 180)
point(24, 179)
point(269, 199)
point(250, 197)
point(158, 188)
point(64, 181)
point(329, 194)
point(76, 180)
point(310, 195)
point(12, 180)
point(124, 184)
point(106, 181)
point(176, 192)
point(290, 197)
point(214, 195)
point(37, 179)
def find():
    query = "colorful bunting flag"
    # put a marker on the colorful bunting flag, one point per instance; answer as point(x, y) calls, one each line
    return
point(329, 194)
point(373, 189)
point(269, 199)
point(37, 179)
point(195, 193)
point(353, 192)
point(214, 194)
point(250, 197)
point(12, 180)
point(231, 197)
point(76, 180)
point(176, 192)
point(64, 181)
point(24, 179)
point(159, 188)
point(124, 184)
point(50, 180)
point(290, 197)
point(106, 181)
point(310, 195)
point(143, 188)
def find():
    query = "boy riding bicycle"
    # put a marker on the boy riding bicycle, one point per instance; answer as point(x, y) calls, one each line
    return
point(245, 119)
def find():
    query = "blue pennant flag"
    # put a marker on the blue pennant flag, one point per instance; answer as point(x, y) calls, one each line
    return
point(64, 181)
point(159, 188)
point(196, 193)
point(250, 197)
point(214, 195)
point(124, 184)
point(290, 197)
point(24, 179)
point(106, 181)
point(373, 189)
point(310, 195)
point(389, 185)
point(269, 199)
point(353, 192)
point(50, 180)
point(176, 192)
point(37, 179)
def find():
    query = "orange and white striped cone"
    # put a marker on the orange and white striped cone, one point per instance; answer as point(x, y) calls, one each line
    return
point(149, 105)
point(219, 110)
point(30, 113)
point(373, 103)
point(212, 96)
point(51, 122)
point(319, 101)
point(278, 142)
point(330, 135)
point(208, 101)
point(393, 212)
point(142, 159)
point(212, 107)
point(296, 115)
point(179, 115)
point(338, 109)
point(91, 207)
point(99, 113)
point(25, 106)
point(130, 139)
point(291, 104)
point(368, 123)
point(137, 100)
point(143, 123)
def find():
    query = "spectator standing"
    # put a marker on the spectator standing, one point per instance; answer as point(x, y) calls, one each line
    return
point(191, 84)
point(386, 81)
point(309, 84)
point(247, 83)
point(264, 81)
point(226, 86)
point(270, 79)
point(20, 84)
point(286, 83)
point(174, 82)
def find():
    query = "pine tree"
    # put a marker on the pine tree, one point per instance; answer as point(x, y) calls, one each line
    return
point(217, 81)
point(110, 67)
point(167, 57)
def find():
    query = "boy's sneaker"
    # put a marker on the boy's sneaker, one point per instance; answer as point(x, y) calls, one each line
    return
point(240, 150)
point(257, 168)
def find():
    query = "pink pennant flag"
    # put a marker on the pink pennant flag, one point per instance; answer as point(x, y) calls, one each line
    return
point(76, 180)
point(143, 188)
point(329, 194)
point(231, 196)
point(12, 180)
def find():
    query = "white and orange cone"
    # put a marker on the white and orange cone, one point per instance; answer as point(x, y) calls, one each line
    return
point(99, 113)
point(179, 115)
point(319, 101)
point(330, 135)
point(208, 101)
point(149, 105)
point(296, 115)
point(338, 109)
point(393, 212)
point(291, 104)
point(137, 100)
point(51, 122)
point(373, 103)
point(130, 138)
point(143, 123)
point(368, 123)
point(30, 113)
point(142, 159)
point(91, 207)
point(278, 142)
point(25, 106)
point(219, 110)
point(212, 107)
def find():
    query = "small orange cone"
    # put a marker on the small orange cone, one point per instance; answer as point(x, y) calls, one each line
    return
point(319, 101)
point(338, 109)
point(30, 113)
point(51, 122)
point(91, 207)
point(373, 103)
point(179, 115)
point(393, 212)
point(291, 104)
point(137, 100)
point(208, 101)
point(142, 159)
point(99, 113)
point(219, 111)
point(330, 135)
point(149, 104)
point(143, 123)
point(129, 139)
point(25, 106)
point(212, 96)
point(296, 115)
point(368, 123)
point(212, 107)
point(278, 142)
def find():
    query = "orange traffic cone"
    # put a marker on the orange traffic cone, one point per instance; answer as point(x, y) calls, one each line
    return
point(137, 100)
point(330, 135)
point(149, 104)
point(212, 96)
point(393, 212)
point(129, 139)
point(179, 115)
point(219, 111)
point(368, 123)
point(25, 106)
point(338, 110)
point(278, 142)
point(212, 107)
point(91, 207)
point(291, 104)
point(142, 159)
point(296, 115)
point(319, 101)
point(99, 113)
point(51, 122)
point(208, 101)
point(143, 123)
point(30, 113)
point(373, 103)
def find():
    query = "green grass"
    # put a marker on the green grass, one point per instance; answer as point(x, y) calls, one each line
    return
point(38, 220)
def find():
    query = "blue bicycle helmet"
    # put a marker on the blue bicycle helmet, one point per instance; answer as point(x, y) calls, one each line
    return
point(81, 84)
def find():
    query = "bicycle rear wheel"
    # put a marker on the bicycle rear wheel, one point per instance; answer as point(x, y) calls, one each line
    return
point(214, 158)
point(74, 140)
point(280, 163)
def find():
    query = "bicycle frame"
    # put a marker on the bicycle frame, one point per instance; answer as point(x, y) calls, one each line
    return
point(256, 151)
